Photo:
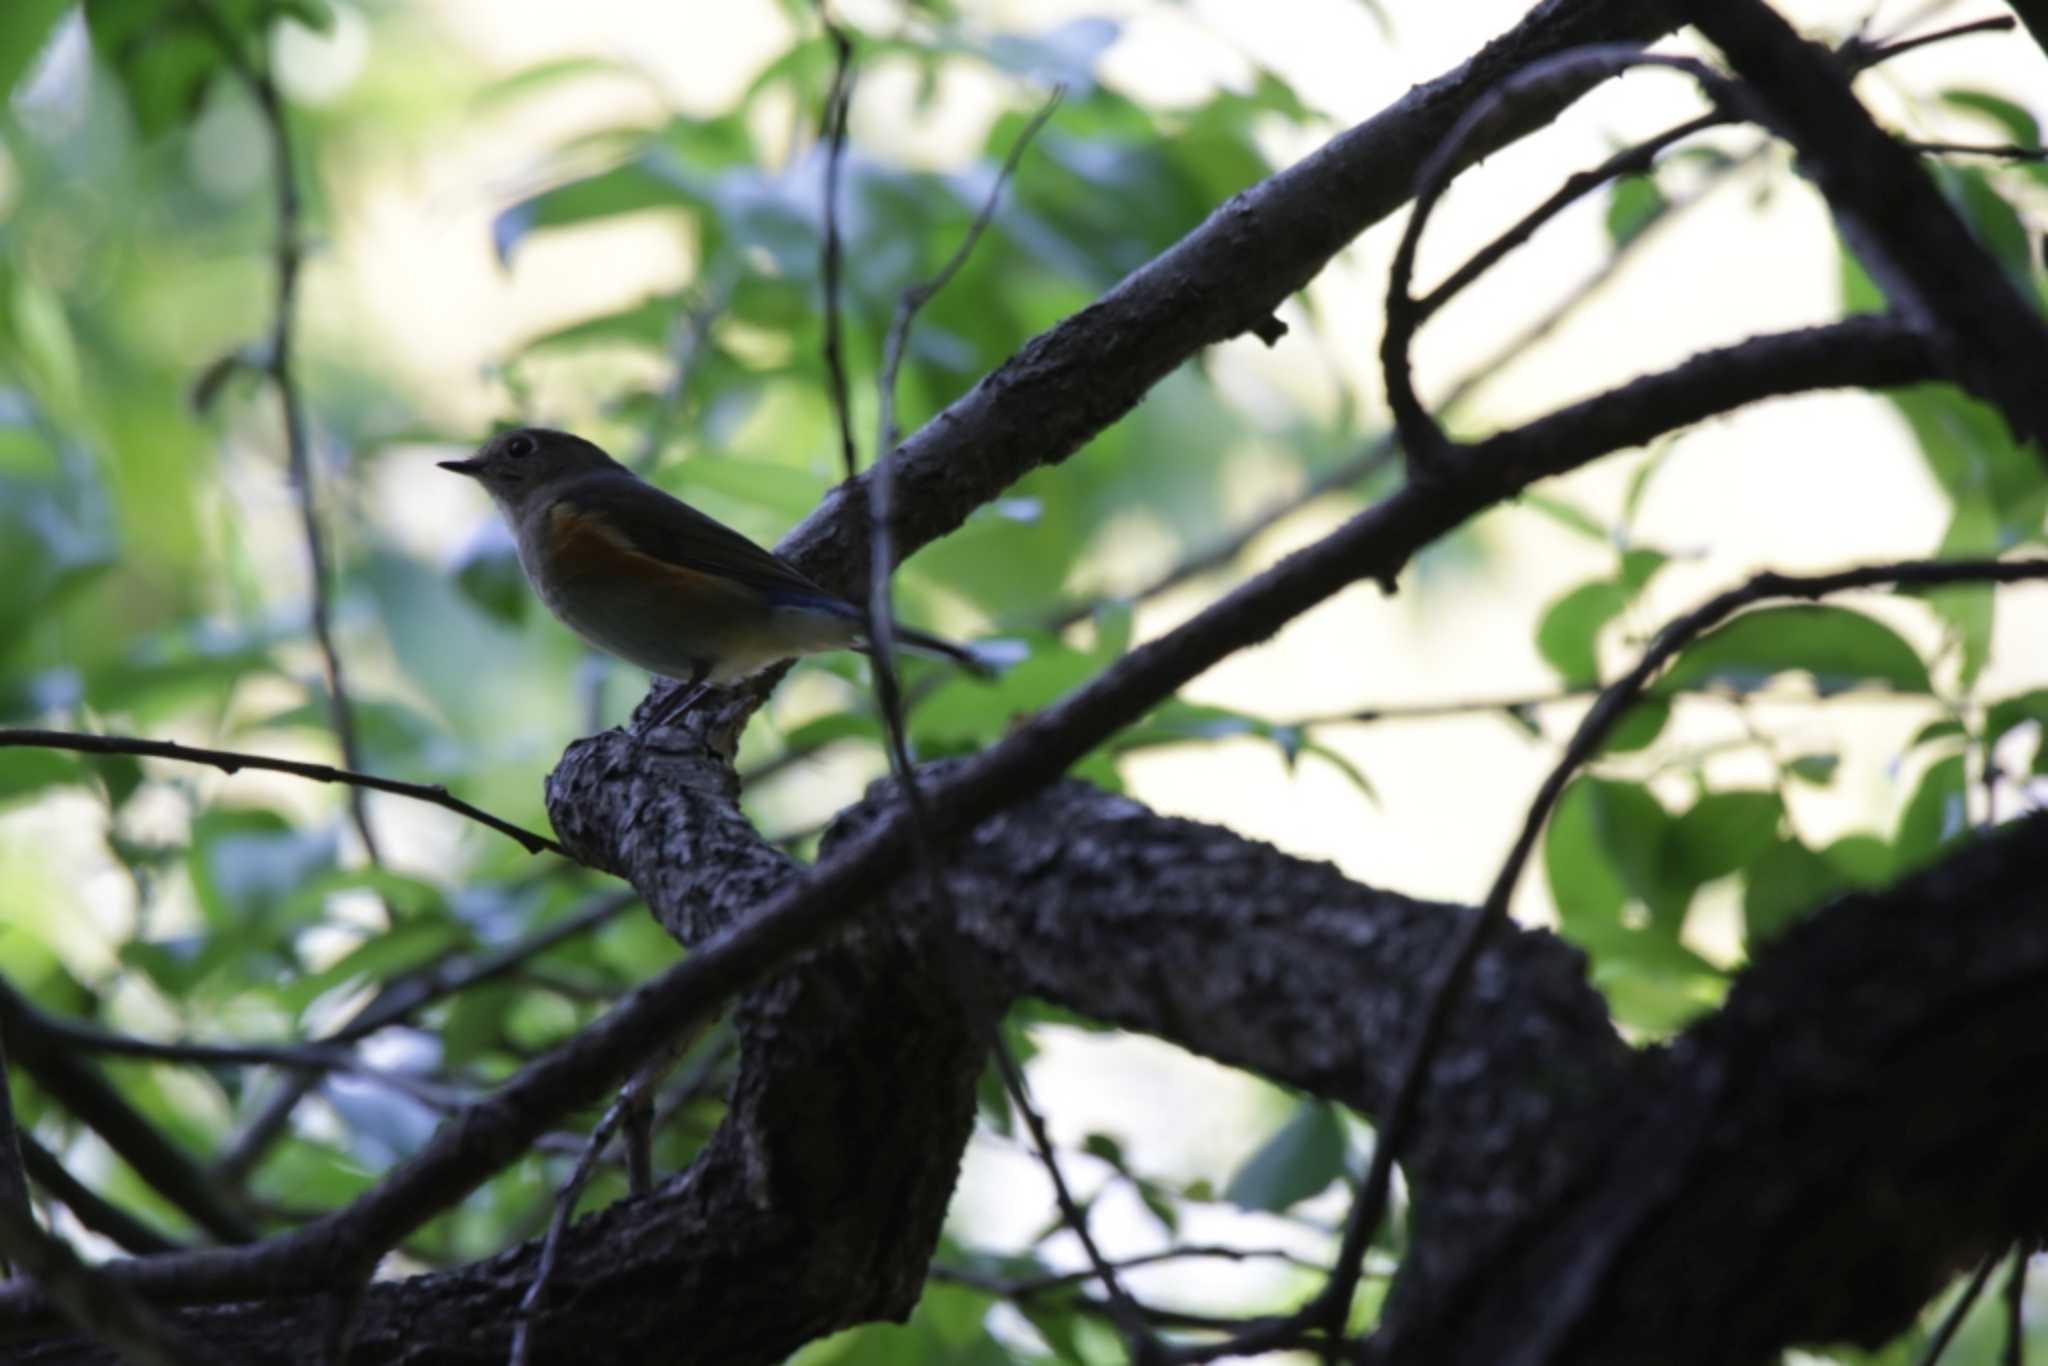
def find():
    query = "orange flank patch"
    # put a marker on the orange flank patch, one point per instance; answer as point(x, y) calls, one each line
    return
point(584, 546)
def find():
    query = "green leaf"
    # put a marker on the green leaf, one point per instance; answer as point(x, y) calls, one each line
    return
point(246, 864)
point(1969, 609)
point(1786, 880)
point(1817, 769)
point(1934, 816)
point(1634, 832)
point(1841, 649)
point(1301, 1159)
point(488, 573)
point(1639, 726)
point(2002, 716)
point(1721, 832)
point(1570, 516)
point(1639, 566)
point(1633, 204)
point(164, 58)
point(26, 772)
point(1568, 634)
point(56, 535)
point(1587, 888)
point(23, 37)
point(2018, 124)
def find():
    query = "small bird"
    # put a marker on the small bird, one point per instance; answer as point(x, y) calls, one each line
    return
point(646, 577)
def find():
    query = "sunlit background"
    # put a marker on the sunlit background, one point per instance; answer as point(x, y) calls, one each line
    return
point(450, 285)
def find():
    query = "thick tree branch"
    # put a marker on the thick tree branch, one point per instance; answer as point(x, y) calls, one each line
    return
point(1987, 336)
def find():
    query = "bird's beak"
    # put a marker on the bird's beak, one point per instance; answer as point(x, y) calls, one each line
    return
point(472, 466)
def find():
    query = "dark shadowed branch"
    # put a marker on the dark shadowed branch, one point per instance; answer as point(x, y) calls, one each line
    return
point(1889, 212)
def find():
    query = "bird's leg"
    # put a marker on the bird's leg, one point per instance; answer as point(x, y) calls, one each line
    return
point(681, 700)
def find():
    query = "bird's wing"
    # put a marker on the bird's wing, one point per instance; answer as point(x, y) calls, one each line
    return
point(666, 529)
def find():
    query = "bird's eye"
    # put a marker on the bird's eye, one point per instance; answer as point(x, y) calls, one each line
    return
point(520, 445)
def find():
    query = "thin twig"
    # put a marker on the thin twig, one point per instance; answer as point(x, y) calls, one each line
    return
point(2015, 1353)
point(689, 334)
point(287, 256)
point(1427, 448)
point(1129, 1317)
point(838, 101)
point(2004, 152)
point(1378, 453)
point(1032, 1287)
point(565, 1206)
point(881, 501)
point(1593, 730)
point(920, 294)
point(233, 761)
point(1960, 1310)
point(632, 1097)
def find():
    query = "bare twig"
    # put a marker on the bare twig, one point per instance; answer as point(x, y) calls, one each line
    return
point(838, 101)
point(1425, 444)
point(1945, 1331)
point(287, 255)
point(233, 761)
point(2015, 1353)
point(1035, 1286)
point(2004, 152)
point(565, 1206)
point(920, 294)
point(1377, 454)
point(1125, 1311)
point(1907, 236)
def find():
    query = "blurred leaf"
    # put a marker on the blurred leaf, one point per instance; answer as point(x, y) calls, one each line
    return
point(1721, 832)
point(1567, 635)
point(1934, 816)
point(164, 56)
point(1786, 880)
point(1841, 649)
point(1301, 1159)
point(26, 772)
point(379, 958)
point(1570, 516)
point(22, 37)
point(56, 535)
point(2019, 125)
point(1639, 726)
point(2002, 716)
point(247, 862)
point(488, 573)
point(1062, 56)
point(1633, 203)
point(1817, 769)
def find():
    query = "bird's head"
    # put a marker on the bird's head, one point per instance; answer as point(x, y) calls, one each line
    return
point(513, 464)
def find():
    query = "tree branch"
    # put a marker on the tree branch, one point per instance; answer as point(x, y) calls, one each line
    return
point(1919, 252)
point(233, 761)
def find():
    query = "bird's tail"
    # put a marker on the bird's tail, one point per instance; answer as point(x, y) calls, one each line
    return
point(923, 642)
